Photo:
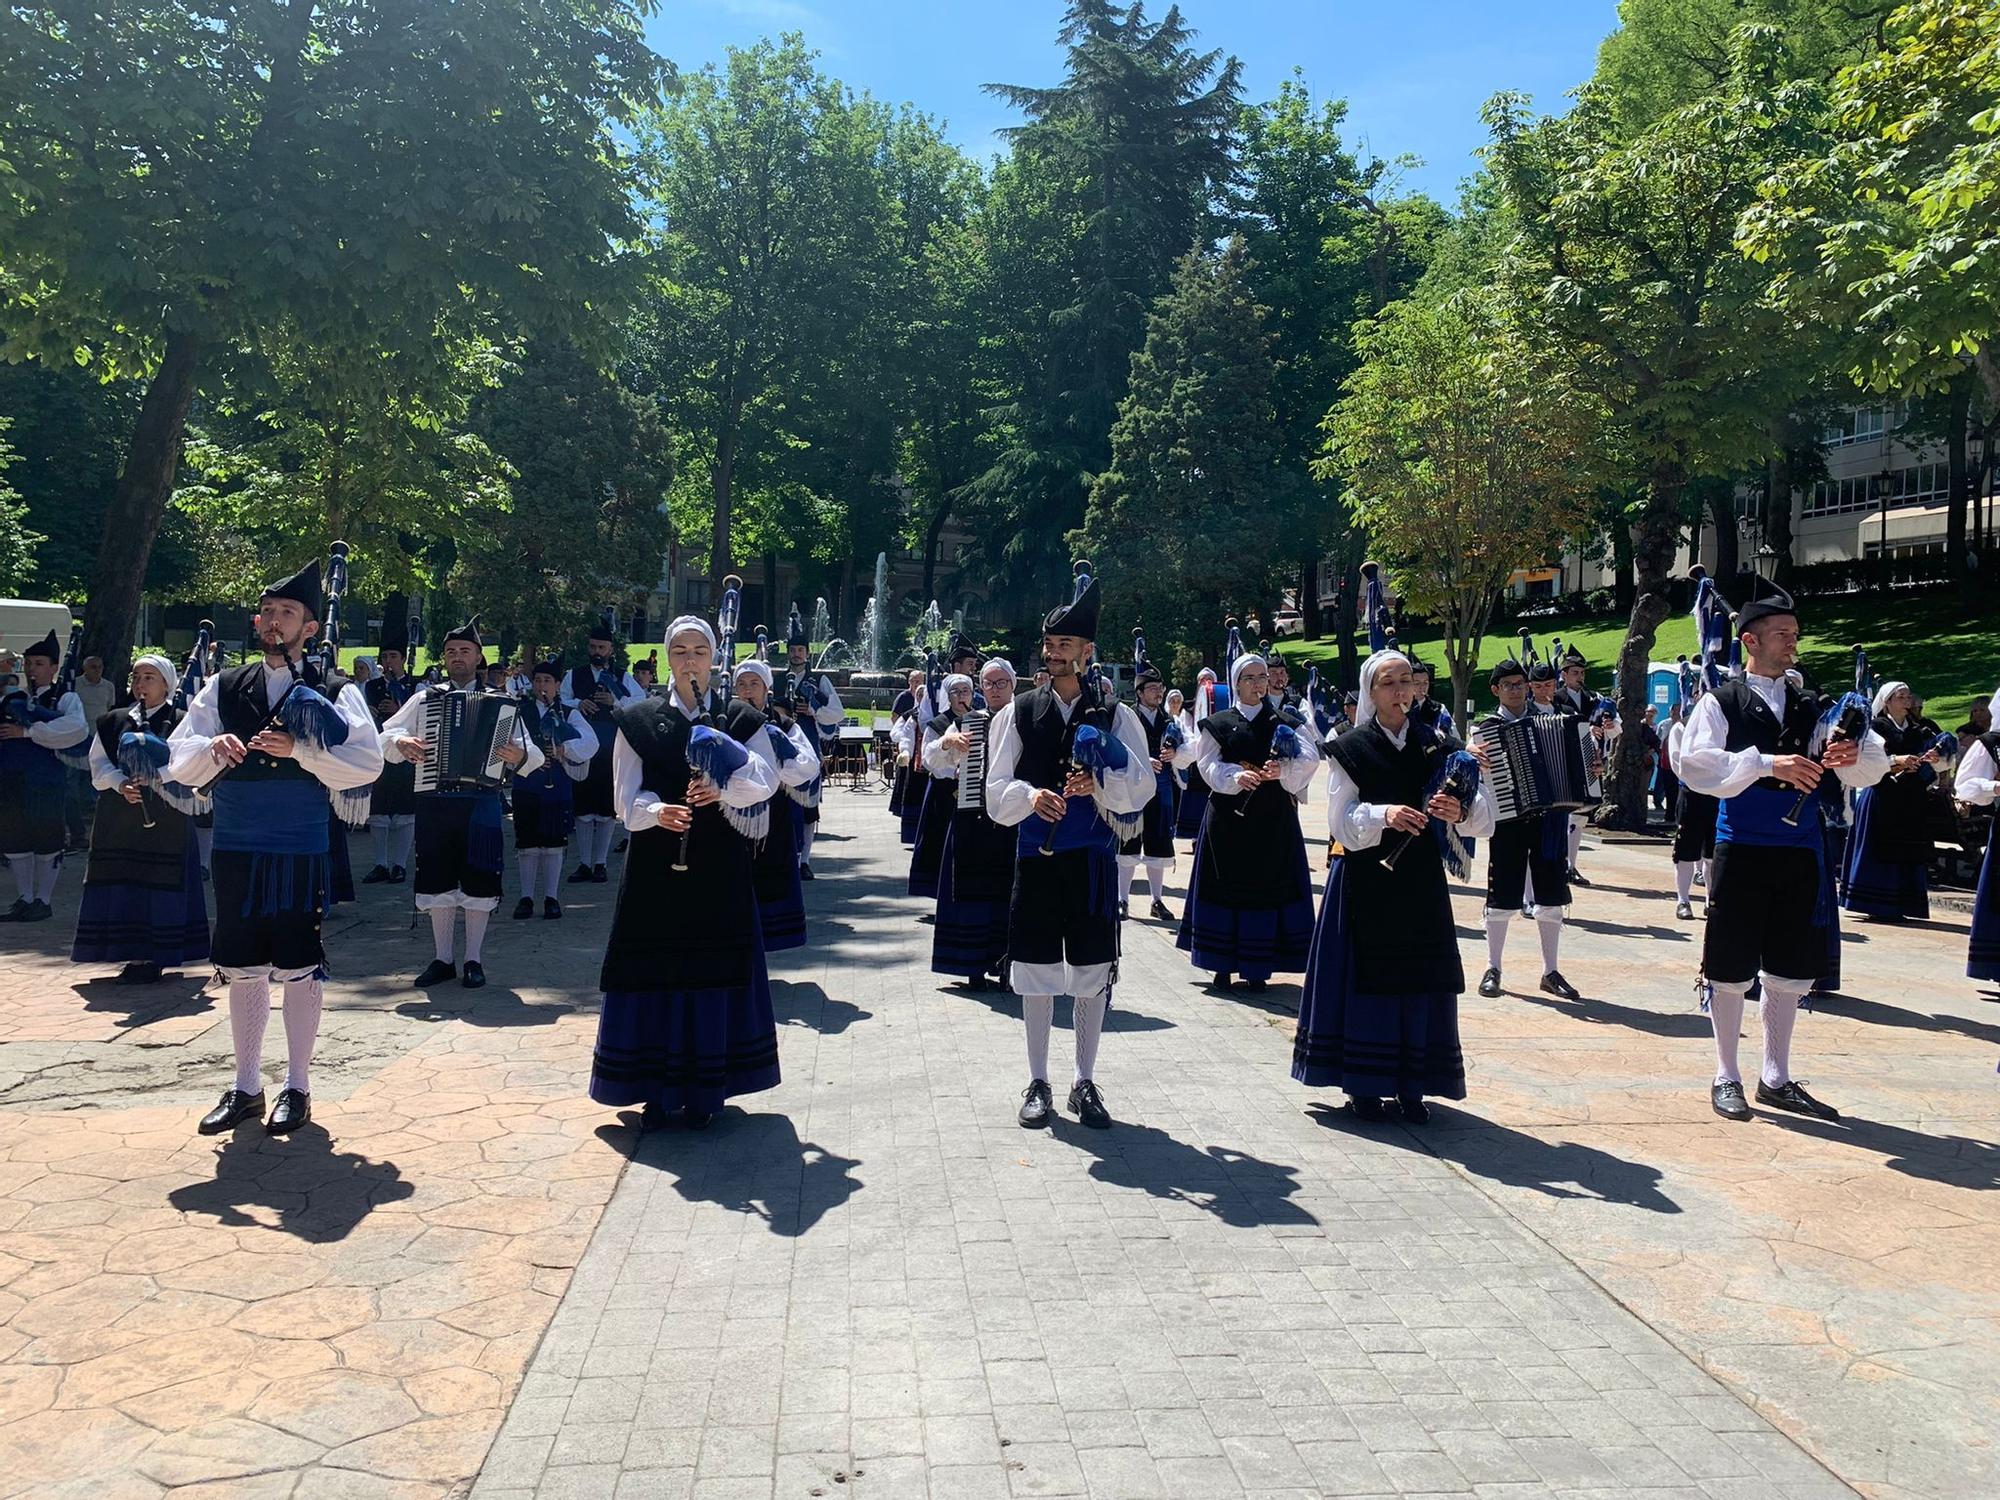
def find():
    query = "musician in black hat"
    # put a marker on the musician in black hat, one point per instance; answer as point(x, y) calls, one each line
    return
point(817, 705)
point(1579, 703)
point(1169, 749)
point(597, 687)
point(1527, 856)
point(461, 838)
point(1430, 711)
point(1755, 743)
point(281, 752)
point(544, 799)
point(37, 720)
point(1062, 927)
point(392, 806)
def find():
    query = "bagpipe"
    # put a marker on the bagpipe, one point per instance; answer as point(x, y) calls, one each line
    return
point(727, 613)
point(142, 758)
point(1375, 609)
point(1220, 695)
point(330, 611)
point(1847, 720)
point(1090, 748)
point(1284, 746)
point(1458, 778)
point(713, 754)
point(195, 673)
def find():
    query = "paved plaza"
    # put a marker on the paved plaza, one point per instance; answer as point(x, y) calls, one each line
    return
point(465, 1277)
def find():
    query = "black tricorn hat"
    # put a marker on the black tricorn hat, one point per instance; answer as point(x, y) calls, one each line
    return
point(961, 647)
point(1766, 599)
point(1079, 616)
point(46, 646)
point(795, 629)
point(302, 587)
point(1504, 669)
point(469, 631)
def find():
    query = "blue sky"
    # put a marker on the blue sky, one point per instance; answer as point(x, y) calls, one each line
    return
point(1414, 72)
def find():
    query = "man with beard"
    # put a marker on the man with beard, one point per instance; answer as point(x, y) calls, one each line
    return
point(461, 847)
point(34, 783)
point(273, 757)
point(392, 807)
point(597, 687)
point(1062, 928)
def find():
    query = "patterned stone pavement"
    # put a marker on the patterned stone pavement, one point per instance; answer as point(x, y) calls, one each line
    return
point(871, 1282)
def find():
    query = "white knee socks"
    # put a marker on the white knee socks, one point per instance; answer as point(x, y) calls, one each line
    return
point(249, 1014)
point(378, 835)
point(1684, 880)
point(596, 839)
point(1549, 927)
point(552, 869)
point(1781, 1011)
point(475, 934)
point(406, 838)
point(204, 841)
point(303, 999)
point(533, 862)
point(1575, 839)
point(441, 924)
point(1156, 877)
point(1128, 872)
point(1725, 1015)
point(806, 847)
point(1089, 1029)
point(1496, 936)
point(1039, 1011)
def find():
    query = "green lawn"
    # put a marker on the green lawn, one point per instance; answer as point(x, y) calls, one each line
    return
point(1948, 654)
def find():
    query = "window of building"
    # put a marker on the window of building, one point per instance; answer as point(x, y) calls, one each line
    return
point(1919, 484)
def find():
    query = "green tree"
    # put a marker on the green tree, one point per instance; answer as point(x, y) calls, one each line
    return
point(1197, 477)
point(17, 541)
point(1624, 273)
point(1466, 458)
point(359, 184)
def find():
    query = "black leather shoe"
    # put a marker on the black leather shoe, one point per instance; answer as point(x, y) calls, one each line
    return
point(1791, 1097)
point(235, 1108)
point(18, 912)
point(551, 909)
point(1036, 1102)
point(398, 875)
point(1684, 911)
point(524, 908)
point(1576, 878)
point(138, 973)
point(292, 1110)
point(1554, 984)
point(1255, 986)
point(652, 1117)
point(1222, 980)
point(1415, 1111)
point(620, 846)
point(1489, 983)
point(977, 984)
point(580, 875)
point(1160, 912)
point(1725, 1097)
point(437, 971)
point(805, 872)
point(1088, 1106)
point(376, 876)
point(474, 976)
point(599, 875)
point(697, 1119)
point(1367, 1107)
point(38, 911)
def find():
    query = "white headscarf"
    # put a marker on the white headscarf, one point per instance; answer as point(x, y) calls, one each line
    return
point(1003, 664)
point(161, 665)
point(1364, 701)
point(954, 682)
point(1242, 663)
point(1883, 694)
point(751, 667)
point(695, 623)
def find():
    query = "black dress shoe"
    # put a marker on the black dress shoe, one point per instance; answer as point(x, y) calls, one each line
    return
point(977, 983)
point(474, 976)
point(1036, 1103)
point(524, 908)
point(1088, 1106)
point(18, 912)
point(293, 1109)
point(437, 971)
point(1489, 983)
point(1160, 912)
point(1415, 1111)
point(235, 1108)
point(805, 872)
point(619, 847)
point(1575, 877)
point(1222, 980)
point(398, 875)
point(652, 1117)
point(551, 909)
point(1725, 1097)
point(580, 875)
point(38, 911)
point(376, 876)
point(1791, 1097)
point(698, 1119)
point(1683, 911)
point(1367, 1107)
point(1255, 986)
point(599, 875)
point(1554, 984)
point(139, 973)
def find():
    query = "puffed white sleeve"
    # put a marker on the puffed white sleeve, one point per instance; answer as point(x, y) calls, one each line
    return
point(937, 758)
point(1870, 767)
point(903, 735)
point(103, 774)
point(67, 728)
point(536, 760)
point(1296, 775)
point(638, 809)
point(1352, 823)
point(400, 725)
point(1220, 775)
point(1477, 821)
point(1184, 753)
point(577, 754)
point(1977, 782)
point(757, 780)
point(1009, 800)
point(804, 764)
point(1707, 765)
point(189, 760)
point(829, 715)
point(356, 760)
point(1129, 790)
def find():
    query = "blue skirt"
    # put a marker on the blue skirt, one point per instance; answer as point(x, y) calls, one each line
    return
point(1982, 959)
point(1194, 802)
point(119, 923)
point(933, 823)
point(970, 935)
point(692, 1048)
point(1879, 887)
point(1253, 942)
point(914, 791)
point(1372, 1046)
point(340, 869)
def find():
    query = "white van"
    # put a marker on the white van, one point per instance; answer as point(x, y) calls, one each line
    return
point(26, 622)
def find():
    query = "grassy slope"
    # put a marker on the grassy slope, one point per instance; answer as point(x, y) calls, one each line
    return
point(1948, 654)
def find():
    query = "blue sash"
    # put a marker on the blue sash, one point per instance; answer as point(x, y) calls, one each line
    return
point(1080, 828)
point(279, 816)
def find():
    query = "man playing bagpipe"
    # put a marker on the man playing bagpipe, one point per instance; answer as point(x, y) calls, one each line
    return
point(598, 687)
point(544, 807)
point(279, 753)
point(1527, 856)
point(775, 869)
point(1762, 746)
point(461, 837)
point(37, 719)
point(817, 707)
point(143, 904)
point(392, 806)
point(1168, 748)
point(1068, 769)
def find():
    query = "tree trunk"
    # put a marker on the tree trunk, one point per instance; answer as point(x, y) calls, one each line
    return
point(1622, 591)
point(1347, 612)
point(1651, 554)
point(1722, 505)
point(846, 593)
point(139, 505)
point(1778, 506)
point(1960, 492)
point(932, 534)
point(1309, 612)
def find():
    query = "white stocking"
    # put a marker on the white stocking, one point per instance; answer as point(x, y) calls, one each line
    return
point(1496, 936)
point(44, 876)
point(303, 999)
point(530, 861)
point(1039, 1011)
point(1725, 1014)
point(1781, 1011)
point(1128, 870)
point(22, 867)
point(441, 930)
point(475, 934)
point(378, 835)
point(1684, 880)
point(406, 836)
point(600, 841)
point(1089, 1016)
point(552, 863)
point(249, 1014)
point(1549, 927)
point(1575, 839)
point(1156, 877)
point(806, 848)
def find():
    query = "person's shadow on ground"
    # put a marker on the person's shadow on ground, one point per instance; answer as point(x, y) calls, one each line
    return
point(1557, 1169)
point(1241, 1190)
point(752, 1164)
point(494, 1005)
point(1007, 1003)
point(801, 1002)
point(1955, 1160)
point(319, 1194)
point(172, 995)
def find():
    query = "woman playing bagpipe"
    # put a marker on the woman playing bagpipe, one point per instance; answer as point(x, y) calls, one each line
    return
point(976, 874)
point(544, 801)
point(143, 904)
point(1379, 1014)
point(1194, 791)
point(687, 1019)
point(1889, 851)
point(1170, 749)
point(1249, 907)
point(781, 905)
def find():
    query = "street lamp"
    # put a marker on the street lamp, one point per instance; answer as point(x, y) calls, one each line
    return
point(1885, 485)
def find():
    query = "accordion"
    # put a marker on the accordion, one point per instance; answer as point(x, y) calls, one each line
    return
point(972, 775)
point(463, 734)
point(1542, 763)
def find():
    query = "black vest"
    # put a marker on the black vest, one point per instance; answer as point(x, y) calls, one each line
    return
point(1155, 731)
point(1046, 739)
point(241, 703)
point(1247, 741)
point(583, 682)
point(384, 697)
point(115, 725)
point(1752, 724)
